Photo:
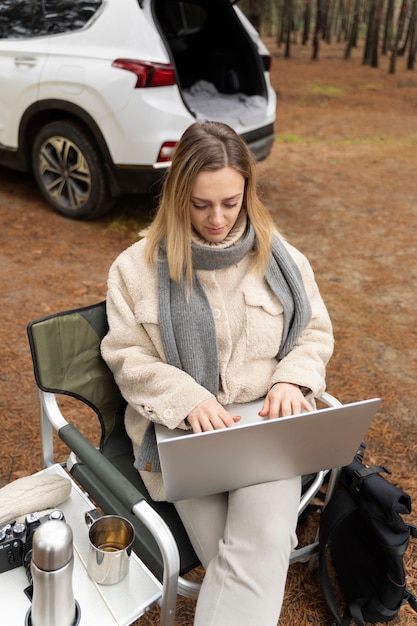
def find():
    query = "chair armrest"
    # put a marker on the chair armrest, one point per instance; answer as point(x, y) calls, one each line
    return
point(105, 471)
point(134, 501)
point(329, 400)
point(170, 555)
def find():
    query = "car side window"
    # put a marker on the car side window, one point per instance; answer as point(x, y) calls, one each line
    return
point(68, 15)
point(21, 19)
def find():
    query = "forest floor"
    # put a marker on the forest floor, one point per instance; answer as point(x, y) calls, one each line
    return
point(341, 185)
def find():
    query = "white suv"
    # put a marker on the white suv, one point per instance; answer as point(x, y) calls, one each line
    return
point(94, 94)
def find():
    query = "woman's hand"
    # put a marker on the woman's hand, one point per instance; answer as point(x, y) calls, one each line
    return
point(284, 399)
point(210, 415)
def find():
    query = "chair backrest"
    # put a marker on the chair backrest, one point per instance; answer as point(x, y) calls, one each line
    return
point(67, 360)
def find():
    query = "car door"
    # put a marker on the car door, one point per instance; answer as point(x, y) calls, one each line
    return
point(23, 52)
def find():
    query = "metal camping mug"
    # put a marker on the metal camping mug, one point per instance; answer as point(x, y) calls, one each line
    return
point(110, 538)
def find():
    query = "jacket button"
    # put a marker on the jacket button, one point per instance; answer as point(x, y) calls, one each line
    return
point(168, 413)
point(216, 313)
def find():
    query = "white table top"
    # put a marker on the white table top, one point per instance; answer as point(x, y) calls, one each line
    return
point(106, 605)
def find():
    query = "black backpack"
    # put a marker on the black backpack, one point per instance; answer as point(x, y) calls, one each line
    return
point(364, 536)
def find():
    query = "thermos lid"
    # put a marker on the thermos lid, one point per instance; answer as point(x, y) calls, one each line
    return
point(52, 545)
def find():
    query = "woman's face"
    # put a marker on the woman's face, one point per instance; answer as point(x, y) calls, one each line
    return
point(215, 202)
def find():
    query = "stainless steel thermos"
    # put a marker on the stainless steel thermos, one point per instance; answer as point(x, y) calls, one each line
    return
point(53, 602)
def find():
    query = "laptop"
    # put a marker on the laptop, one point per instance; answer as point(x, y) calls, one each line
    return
point(257, 450)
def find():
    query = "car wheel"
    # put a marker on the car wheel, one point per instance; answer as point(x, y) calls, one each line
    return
point(69, 172)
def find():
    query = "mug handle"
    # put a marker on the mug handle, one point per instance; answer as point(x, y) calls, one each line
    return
point(91, 516)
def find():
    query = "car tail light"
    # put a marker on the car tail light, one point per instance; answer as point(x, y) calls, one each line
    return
point(166, 151)
point(148, 74)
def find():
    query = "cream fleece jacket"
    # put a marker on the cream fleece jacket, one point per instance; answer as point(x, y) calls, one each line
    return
point(249, 323)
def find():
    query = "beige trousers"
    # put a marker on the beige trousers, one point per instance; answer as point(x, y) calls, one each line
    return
point(243, 539)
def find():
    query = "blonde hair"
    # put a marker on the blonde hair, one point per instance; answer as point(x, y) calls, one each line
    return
point(204, 146)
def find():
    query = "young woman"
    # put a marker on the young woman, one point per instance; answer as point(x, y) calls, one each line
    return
point(213, 307)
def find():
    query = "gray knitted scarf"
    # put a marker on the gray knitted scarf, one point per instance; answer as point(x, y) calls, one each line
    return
point(187, 325)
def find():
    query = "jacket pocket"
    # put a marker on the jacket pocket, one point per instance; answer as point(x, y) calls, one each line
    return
point(147, 319)
point(264, 324)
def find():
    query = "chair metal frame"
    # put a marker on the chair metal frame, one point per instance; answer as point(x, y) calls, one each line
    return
point(84, 452)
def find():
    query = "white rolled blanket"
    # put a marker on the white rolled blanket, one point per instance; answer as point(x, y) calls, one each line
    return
point(32, 493)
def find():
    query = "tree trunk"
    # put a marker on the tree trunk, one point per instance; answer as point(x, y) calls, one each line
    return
point(389, 17)
point(370, 35)
point(403, 48)
point(346, 20)
point(353, 35)
point(377, 30)
point(281, 22)
point(400, 29)
point(288, 14)
point(255, 13)
point(317, 30)
point(340, 21)
point(326, 19)
point(331, 10)
point(306, 21)
point(413, 37)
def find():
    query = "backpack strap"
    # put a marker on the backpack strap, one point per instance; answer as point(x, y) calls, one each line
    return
point(413, 530)
point(359, 475)
point(343, 505)
point(411, 599)
point(354, 612)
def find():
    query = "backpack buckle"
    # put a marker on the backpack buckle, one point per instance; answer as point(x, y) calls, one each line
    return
point(360, 475)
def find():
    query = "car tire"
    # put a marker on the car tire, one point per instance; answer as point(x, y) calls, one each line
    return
point(69, 171)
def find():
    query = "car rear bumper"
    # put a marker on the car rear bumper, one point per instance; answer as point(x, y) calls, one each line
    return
point(260, 141)
point(148, 179)
point(140, 179)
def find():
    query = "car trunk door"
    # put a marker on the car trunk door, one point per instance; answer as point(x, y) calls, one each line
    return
point(220, 71)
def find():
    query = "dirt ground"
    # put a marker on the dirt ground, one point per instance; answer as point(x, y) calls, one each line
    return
point(341, 184)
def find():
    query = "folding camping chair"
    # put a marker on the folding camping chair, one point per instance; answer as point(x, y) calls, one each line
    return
point(66, 356)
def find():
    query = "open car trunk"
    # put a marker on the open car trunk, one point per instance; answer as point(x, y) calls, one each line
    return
point(219, 70)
